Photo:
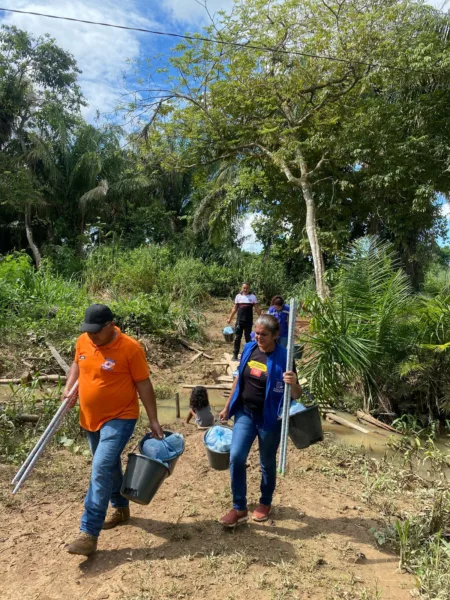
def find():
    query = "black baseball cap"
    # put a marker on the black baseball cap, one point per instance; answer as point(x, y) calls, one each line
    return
point(96, 317)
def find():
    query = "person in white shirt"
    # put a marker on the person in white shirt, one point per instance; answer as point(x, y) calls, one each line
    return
point(243, 306)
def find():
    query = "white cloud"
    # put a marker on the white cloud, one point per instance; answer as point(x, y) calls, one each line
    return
point(445, 210)
point(250, 243)
point(101, 52)
point(193, 12)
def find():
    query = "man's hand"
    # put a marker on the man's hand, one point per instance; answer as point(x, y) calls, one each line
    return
point(156, 430)
point(229, 320)
point(72, 397)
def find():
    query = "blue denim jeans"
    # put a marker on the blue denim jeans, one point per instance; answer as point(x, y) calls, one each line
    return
point(246, 428)
point(106, 445)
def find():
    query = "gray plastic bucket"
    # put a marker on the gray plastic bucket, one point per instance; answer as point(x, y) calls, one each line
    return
point(228, 337)
point(305, 428)
point(298, 351)
point(220, 461)
point(170, 463)
point(142, 479)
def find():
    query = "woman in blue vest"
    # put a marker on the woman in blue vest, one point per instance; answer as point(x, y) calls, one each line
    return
point(280, 311)
point(255, 402)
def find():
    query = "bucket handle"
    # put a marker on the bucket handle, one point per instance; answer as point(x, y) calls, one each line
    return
point(137, 445)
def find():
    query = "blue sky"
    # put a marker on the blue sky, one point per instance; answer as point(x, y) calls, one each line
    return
point(103, 54)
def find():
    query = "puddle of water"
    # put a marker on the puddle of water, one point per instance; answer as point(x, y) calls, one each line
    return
point(374, 442)
point(167, 409)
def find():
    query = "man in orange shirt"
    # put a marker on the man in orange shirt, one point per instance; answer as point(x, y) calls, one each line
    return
point(111, 369)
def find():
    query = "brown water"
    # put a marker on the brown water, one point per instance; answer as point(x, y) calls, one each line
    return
point(167, 409)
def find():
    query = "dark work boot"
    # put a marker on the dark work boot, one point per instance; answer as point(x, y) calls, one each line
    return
point(85, 544)
point(119, 516)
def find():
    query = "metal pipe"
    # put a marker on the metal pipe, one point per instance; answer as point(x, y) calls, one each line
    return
point(38, 445)
point(37, 448)
point(287, 389)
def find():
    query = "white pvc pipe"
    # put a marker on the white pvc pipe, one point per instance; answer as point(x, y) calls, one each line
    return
point(38, 453)
point(50, 430)
point(287, 389)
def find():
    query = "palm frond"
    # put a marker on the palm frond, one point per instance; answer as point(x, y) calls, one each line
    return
point(97, 193)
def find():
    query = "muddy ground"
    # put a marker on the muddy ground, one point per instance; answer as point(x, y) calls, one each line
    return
point(318, 544)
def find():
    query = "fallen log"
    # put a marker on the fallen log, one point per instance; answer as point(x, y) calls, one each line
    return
point(341, 421)
point(40, 378)
point(363, 416)
point(57, 356)
point(195, 348)
point(195, 357)
point(27, 418)
point(221, 386)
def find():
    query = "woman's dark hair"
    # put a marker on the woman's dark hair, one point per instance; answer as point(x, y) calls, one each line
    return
point(277, 300)
point(269, 322)
point(199, 398)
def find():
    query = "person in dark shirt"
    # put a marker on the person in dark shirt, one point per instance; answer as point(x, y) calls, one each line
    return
point(255, 401)
point(243, 306)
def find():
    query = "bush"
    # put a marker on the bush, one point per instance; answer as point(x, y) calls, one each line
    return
point(28, 297)
point(360, 335)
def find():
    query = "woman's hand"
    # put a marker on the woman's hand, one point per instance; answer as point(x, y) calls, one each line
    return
point(223, 416)
point(290, 378)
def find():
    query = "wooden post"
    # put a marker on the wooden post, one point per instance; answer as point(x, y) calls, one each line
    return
point(177, 404)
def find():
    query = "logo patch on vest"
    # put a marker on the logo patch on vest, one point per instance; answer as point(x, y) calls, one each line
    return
point(279, 387)
point(108, 365)
point(82, 357)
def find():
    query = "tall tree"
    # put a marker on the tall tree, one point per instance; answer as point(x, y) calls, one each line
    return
point(286, 107)
point(37, 82)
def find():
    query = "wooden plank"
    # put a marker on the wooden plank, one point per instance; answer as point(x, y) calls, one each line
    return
point(195, 348)
point(341, 421)
point(225, 378)
point(177, 404)
point(57, 356)
point(220, 364)
point(363, 416)
point(190, 346)
point(220, 386)
point(40, 378)
point(195, 357)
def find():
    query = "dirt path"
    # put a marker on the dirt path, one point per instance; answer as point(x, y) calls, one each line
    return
point(317, 546)
point(174, 547)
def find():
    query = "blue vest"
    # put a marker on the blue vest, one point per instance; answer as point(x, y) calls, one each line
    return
point(282, 317)
point(276, 366)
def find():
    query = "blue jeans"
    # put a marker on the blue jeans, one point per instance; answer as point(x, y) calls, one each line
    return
point(246, 428)
point(106, 445)
point(283, 341)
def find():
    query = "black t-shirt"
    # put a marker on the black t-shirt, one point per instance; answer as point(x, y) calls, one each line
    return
point(245, 304)
point(253, 381)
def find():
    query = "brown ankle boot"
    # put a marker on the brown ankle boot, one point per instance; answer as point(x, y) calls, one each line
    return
point(85, 544)
point(119, 516)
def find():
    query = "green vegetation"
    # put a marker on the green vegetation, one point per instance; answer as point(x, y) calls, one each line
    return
point(375, 344)
point(343, 164)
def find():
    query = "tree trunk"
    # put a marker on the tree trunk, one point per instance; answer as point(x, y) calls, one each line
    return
point(311, 230)
point(29, 232)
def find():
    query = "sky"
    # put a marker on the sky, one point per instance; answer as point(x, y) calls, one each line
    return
point(105, 55)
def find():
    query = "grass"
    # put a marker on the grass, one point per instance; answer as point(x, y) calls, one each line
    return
point(18, 438)
point(421, 539)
